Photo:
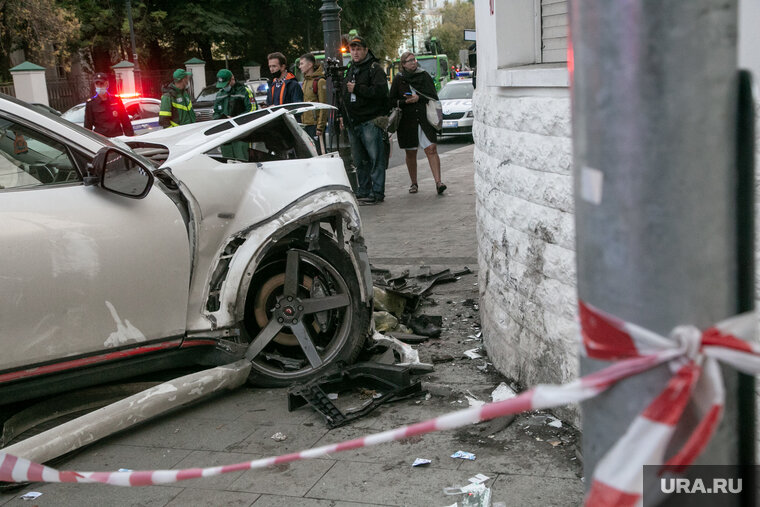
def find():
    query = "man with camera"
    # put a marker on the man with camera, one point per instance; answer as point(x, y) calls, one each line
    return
point(365, 95)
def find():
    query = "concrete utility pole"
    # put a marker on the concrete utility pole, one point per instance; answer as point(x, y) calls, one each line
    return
point(138, 75)
point(655, 170)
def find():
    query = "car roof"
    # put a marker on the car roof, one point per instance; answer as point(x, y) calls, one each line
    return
point(55, 125)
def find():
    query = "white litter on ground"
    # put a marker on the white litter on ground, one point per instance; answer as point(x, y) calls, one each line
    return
point(503, 392)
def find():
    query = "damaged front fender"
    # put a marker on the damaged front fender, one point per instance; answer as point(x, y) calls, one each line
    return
point(226, 294)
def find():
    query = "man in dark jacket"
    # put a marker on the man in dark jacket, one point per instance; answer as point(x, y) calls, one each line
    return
point(283, 85)
point(365, 95)
point(176, 106)
point(104, 113)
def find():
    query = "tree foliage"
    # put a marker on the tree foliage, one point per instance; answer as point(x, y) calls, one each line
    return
point(42, 28)
point(455, 18)
point(168, 32)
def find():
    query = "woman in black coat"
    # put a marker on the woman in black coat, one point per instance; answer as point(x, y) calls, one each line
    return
point(410, 91)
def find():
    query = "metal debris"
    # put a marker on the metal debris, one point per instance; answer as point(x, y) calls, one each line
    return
point(393, 381)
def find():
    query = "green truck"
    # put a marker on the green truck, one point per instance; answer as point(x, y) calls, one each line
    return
point(435, 65)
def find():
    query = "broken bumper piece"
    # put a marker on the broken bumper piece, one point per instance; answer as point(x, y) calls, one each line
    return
point(392, 382)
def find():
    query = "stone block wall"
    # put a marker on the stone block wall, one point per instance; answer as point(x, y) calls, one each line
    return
point(526, 242)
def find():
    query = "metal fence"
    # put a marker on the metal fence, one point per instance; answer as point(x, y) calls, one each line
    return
point(67, 92)
point(154, 80)
point(8, 89)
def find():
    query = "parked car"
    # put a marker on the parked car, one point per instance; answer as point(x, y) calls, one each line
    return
point(203, 104)
point(46, 108)
point(139, 254)
point(260, 89)
point(143, 112)
point(456, 102)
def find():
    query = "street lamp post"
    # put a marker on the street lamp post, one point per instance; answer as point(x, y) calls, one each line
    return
point(138, 75)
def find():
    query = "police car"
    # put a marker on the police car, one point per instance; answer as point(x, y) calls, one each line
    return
point(456, 101)
point(142, 111)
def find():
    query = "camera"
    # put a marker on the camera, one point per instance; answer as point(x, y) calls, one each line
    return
point(334, 68)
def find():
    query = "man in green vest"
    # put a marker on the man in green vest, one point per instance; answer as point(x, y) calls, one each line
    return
point(232, 99)
point(176, 106)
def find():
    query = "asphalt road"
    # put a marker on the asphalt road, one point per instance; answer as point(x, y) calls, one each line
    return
point(450, 143)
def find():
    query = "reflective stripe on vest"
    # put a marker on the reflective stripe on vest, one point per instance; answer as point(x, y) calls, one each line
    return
point(180, 106)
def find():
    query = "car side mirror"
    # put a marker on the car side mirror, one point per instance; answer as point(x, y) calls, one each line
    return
point(121, 174)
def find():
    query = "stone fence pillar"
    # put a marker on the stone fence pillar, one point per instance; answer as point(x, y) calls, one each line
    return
point(198, 68)
point(125, 77)
point(29, 83)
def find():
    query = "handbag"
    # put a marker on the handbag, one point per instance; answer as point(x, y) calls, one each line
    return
point(433, 111)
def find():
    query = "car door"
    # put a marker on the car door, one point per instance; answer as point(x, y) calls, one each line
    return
point(146, 118)
point(83, 270)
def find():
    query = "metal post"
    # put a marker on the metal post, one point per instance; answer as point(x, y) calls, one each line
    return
point(138, 75)
point(654, 94)
point(331, 32)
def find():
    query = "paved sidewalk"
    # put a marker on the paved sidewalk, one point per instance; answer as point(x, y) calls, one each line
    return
point(528, 464)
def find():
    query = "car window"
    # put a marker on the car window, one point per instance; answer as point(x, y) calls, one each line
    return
point(429, 65)
point(133, 110)
point(149, 109)
point(208, 94)
point(279, 139)
point(31, 159)
point(454, 90)
point(75, 114)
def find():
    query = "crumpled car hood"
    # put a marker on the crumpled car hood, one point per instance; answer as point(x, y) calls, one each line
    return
point(186, 141)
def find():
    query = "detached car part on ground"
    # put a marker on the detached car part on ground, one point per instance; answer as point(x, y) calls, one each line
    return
point(121, 260)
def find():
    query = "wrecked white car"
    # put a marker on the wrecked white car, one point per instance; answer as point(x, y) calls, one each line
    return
point(200, 244)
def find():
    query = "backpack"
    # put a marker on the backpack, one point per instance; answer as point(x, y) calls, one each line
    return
point(315, 86)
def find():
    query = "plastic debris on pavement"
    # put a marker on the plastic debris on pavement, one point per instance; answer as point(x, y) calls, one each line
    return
point(31, 495)
point(476, 494)
point(474, 402)
point(384, 321)
point(464, 455)
point(332, 396)
point(503, 392)
point(279, 437)
point(477, 479)
point(421, 462)
point(472, 354)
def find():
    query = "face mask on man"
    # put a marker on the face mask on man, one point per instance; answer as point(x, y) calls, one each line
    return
point(227, 88)
point(101, 90)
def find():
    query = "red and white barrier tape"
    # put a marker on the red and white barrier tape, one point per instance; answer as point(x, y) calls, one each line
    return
point(618, 476)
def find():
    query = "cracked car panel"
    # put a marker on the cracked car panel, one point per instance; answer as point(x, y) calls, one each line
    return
point(100, 279)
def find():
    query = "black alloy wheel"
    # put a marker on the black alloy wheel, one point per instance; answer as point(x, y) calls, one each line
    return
point(304, 312)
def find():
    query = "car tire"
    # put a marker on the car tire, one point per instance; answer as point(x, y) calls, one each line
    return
point(337, 335)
